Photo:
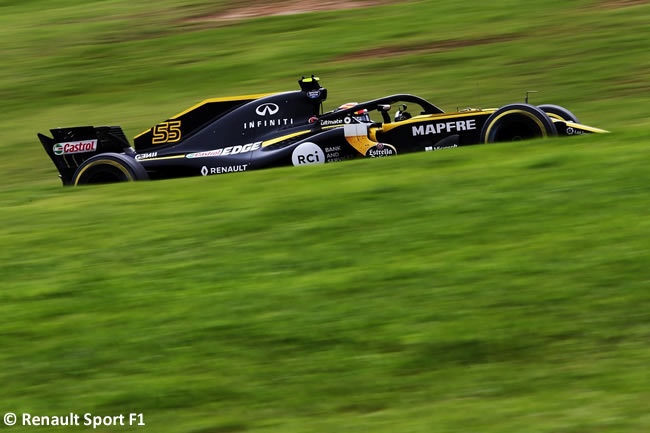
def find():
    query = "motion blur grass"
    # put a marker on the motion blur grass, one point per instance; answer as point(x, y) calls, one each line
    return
point(494, 288)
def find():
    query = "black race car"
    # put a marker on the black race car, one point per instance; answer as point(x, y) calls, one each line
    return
point(242, 133)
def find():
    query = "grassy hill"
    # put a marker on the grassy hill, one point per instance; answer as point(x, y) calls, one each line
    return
point(488, 289)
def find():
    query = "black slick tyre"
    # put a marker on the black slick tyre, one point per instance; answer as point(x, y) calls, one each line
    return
point(517, 122)
point(558, 112)
point(109, 168)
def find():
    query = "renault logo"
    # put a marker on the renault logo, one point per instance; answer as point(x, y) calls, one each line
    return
point(267, 109)
point(204, 170)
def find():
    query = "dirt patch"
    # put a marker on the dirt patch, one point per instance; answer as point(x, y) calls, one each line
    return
point(287, 7)
point(614, 4)
point(430, 47)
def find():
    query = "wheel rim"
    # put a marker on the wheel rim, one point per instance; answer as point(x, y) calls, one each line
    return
point(516, 128)
point(105, 174)
point(103, 171)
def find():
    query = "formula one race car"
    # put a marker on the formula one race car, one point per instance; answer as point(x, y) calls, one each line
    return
point(227, 135)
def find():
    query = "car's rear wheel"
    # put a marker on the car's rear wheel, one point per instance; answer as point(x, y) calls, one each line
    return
point(109, 168)
point(517, 122)
point(558, 112)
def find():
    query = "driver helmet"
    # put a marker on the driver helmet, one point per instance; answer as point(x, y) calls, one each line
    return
point(361, 115)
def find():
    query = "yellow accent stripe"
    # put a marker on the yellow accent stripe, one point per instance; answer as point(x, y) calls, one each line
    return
point(104, 161)
point(285, 137)
point(555, 117)
point(142, 133)
point(162, 157)
point(226, 99)
point(587, 128)
point(372, 133)
point(207, 101)
point(525, 113)
point(361, 143)
point(430, 117)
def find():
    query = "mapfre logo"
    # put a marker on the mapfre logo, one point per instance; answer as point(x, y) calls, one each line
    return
point(268, 109)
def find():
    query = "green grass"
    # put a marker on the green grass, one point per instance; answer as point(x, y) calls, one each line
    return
point(491, 289)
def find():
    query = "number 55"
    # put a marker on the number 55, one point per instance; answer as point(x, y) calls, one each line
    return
point(167, 132)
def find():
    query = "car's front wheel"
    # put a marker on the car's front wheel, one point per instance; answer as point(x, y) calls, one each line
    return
point(517, 122)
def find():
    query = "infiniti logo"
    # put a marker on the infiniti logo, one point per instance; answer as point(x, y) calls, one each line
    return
point(267, 109)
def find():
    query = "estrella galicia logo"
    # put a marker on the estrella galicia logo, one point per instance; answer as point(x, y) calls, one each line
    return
point(381, 150)
point(268, 109)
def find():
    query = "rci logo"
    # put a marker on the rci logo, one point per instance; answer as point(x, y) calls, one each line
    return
point(307, 153)
point(268, 109)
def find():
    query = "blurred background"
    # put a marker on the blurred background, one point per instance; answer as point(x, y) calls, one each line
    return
point(497, 288)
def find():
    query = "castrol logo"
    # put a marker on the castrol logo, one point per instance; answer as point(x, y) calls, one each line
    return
point(75, 147)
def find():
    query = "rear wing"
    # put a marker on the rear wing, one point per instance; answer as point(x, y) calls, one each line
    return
point(68, 148)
